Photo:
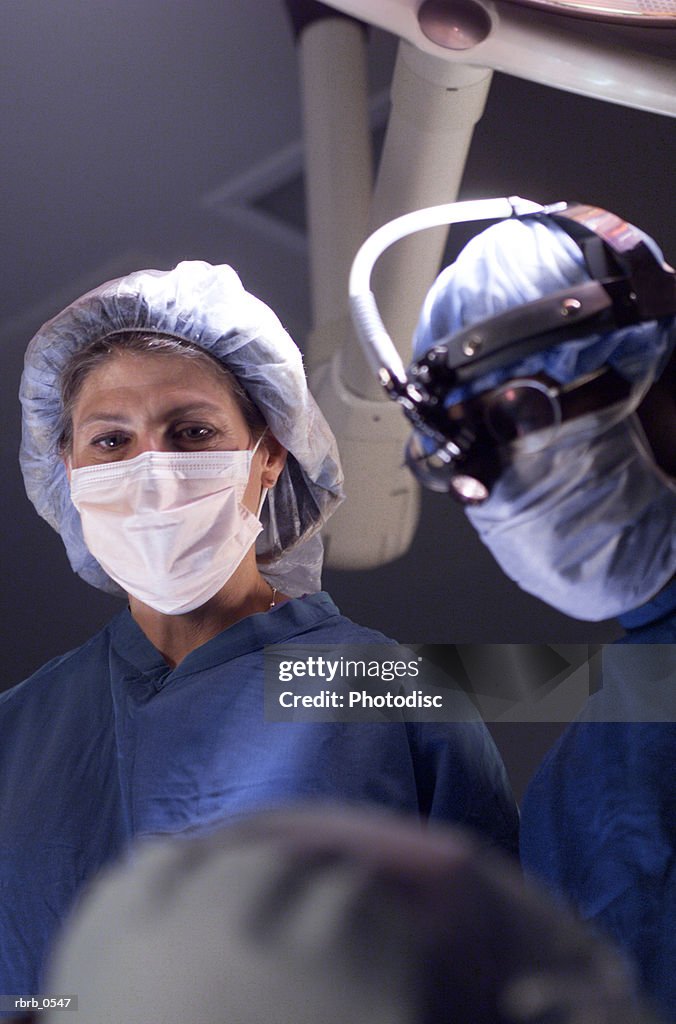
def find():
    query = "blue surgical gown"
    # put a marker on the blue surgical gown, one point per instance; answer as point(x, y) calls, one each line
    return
point(599, 817)
point(108, 743)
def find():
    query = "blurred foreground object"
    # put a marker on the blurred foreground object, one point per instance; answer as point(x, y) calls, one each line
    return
point(331, 916)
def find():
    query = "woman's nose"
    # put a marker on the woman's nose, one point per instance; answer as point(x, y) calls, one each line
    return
point(152, 441)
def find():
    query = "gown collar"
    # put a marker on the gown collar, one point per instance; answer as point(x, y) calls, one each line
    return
point(252, 633)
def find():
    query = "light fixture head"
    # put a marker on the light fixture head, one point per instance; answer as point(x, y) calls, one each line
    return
point(629, 12)
point(622, 51)
point(459, 24)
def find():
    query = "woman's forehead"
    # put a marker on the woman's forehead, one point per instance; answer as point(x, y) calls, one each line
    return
point(154, 376)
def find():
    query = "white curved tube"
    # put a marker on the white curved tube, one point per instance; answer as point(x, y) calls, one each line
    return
point(372, 333)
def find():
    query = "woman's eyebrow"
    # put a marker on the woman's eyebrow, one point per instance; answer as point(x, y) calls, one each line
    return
point(104, 417)
point(199, 405)
point(186, 408)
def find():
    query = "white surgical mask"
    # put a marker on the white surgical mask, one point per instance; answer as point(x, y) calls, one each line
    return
point(169, 527)
point(588, 524)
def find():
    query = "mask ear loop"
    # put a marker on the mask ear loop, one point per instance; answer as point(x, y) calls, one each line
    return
point(264, 494)
point(264, 490)
point(258, 442)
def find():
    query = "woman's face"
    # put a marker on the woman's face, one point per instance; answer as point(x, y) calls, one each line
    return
point(134, 403)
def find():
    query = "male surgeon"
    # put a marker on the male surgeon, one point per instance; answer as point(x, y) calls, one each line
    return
point(565, 457)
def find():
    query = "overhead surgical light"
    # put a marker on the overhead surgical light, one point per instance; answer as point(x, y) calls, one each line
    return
point(618, 50)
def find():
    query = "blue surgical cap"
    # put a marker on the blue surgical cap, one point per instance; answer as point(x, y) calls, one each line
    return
point(519, 261)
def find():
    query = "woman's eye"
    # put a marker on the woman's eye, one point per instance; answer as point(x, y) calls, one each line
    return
point(195, 433)
point(109, 442)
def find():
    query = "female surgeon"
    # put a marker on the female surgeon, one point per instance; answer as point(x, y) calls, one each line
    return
point(170, 438)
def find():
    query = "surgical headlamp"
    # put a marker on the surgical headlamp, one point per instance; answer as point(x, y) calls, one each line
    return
point(462, 448)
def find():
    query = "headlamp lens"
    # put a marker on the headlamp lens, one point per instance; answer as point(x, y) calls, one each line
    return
point(468, 489)
point(431, 466)
point(467, 479)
